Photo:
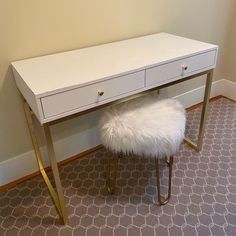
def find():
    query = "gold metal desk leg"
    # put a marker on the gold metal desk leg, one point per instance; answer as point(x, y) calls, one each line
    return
point(57, 196)
point(198, 145)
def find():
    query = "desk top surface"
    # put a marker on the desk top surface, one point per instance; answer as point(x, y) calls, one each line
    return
point(87, 65)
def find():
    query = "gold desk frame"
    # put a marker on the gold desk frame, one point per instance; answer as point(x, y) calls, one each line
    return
point(57, 194)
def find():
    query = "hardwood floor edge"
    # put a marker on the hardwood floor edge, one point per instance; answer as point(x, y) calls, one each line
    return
point(91, 150)
point(228, 98)
point(211, 100)
point(48, 168)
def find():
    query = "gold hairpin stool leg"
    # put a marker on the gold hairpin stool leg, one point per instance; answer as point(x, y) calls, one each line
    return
point(198, 145)
point(111, 180)
point(57, 196)
point(163, 200)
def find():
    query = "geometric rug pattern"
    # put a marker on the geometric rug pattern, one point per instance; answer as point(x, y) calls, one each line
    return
point(203, 200)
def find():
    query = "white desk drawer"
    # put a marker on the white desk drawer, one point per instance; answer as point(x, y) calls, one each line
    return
point(180, 68)
point(81, 97)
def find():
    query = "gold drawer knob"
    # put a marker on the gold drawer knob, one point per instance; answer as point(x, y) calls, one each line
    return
point(100, 93)
point(184, 67)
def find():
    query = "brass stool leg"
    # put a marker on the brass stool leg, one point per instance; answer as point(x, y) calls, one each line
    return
point(111, 181)
point(163, 200)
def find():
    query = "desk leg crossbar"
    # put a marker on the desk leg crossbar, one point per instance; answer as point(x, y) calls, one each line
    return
point(57, 195)
point(198, 145)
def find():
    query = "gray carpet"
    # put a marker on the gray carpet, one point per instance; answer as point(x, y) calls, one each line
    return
point(203, 201)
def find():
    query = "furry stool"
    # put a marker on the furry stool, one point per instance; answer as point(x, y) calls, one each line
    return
point(144, 126)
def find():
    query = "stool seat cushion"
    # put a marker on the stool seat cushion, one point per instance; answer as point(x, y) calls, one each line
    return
point(144, 126)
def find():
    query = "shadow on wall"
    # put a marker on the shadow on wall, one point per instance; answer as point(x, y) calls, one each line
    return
point(14, 137)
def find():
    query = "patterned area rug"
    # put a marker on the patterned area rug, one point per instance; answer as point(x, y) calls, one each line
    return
point(203, 198)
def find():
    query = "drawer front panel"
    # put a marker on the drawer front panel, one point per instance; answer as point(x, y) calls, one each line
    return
point(87, 95)
point(180, 68)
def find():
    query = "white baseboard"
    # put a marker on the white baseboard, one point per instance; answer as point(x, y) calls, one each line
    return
point(25, 164)
point(220, 87)
point(228, 89)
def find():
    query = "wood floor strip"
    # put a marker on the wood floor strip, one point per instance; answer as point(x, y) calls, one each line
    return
point(91, 150)
point(48, 168)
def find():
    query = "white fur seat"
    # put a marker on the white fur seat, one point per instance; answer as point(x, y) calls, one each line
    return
point(144, 126)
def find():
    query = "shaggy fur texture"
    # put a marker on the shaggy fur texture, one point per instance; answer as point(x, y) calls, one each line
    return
point(144, 126)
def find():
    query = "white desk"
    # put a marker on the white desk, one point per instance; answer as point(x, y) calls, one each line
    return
point(63, 84)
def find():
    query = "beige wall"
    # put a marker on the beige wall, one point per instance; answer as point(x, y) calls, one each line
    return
point(230, 56)
point(209, 21)
point(31, 28)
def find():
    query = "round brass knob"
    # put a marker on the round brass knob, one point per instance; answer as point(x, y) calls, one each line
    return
point(184, 67)
point(100, 93)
